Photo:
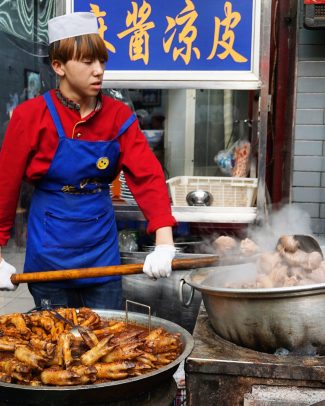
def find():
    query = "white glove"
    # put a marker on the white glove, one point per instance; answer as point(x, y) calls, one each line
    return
point(6, 270)
point(158, 264)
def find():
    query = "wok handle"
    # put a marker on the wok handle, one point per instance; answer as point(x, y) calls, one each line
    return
point(178, 264)
point(188, 302)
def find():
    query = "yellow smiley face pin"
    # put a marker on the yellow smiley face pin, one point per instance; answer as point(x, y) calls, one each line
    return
point(102, 163)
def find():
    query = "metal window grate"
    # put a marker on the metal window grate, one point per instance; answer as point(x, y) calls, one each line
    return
point(319, 10)
point(314, 16)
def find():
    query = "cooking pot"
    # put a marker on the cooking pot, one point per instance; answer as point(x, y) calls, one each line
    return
point(261, 319)
point(92, 394)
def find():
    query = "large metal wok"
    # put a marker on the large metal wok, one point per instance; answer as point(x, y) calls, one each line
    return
point(261, 319)
point(92, 394)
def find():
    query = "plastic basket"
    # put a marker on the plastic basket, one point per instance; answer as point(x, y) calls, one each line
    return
point(226, 192)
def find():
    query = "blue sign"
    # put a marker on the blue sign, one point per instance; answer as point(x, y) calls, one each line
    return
point(176, 35)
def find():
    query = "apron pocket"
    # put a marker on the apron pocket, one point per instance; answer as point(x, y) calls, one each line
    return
point(72, 232)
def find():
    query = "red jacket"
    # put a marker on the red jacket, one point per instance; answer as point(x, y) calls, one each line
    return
point(31, 141)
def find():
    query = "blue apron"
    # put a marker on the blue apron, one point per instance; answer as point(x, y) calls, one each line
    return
point(71, 222)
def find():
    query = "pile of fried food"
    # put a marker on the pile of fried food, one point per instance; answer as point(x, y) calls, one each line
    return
point(39, 349)
point(288, 265)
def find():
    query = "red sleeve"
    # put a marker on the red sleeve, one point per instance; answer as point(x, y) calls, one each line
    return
point(145, 178)
point(13, 158)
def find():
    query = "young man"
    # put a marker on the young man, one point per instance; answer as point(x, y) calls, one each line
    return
point(71, 143)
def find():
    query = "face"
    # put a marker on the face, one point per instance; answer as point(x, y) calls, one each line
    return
point(80, 79)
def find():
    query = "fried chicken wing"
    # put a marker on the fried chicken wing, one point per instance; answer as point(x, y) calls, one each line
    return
point(17, 322)
point(39, 332)
point(58, 328)
point(63, 353)
point(13, 365)
point(114, 370)
point(60, 377)
point(16, 370)
point(127, 351)
point(166, 358)
point(128, 336)
point(149, 356)
point(11, 343)
point(66, 350)
point(5, 377)
point(140, 368)
point(115, 328)
point(42, 345)
point(30, 357)
point(97, 352)
point(158, 341)
point(147, 361)
point(87, 374)
point(43, 319)
point(87, 318)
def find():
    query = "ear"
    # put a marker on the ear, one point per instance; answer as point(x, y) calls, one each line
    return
point(58, 67)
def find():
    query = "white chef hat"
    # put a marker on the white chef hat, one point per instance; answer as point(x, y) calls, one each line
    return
point(72, 25)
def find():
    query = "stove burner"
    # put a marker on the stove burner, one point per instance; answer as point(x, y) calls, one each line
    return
point(309, 349)
point(223, 373)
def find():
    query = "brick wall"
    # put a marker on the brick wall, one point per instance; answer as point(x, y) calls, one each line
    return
point(308, 181)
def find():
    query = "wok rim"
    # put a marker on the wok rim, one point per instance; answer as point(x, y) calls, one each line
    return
point(187, 340)
point(302, 290)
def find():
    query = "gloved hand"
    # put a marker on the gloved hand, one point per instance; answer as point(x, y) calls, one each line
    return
point(158, 264)
point(6, 270)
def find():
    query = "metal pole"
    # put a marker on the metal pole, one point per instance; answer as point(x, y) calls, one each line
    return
point(264, 107)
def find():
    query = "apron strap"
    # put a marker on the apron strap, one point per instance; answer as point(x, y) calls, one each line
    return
point(126, 125)
point(57, 122)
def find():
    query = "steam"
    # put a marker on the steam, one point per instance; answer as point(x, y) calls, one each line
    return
point(289, 220)
point(280, 259)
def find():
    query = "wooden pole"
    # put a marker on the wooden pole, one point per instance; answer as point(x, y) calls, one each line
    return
point(130, 269)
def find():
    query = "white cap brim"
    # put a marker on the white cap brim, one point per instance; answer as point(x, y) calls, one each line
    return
point(72, 25)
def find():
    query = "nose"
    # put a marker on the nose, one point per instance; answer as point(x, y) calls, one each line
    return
point(98, 68)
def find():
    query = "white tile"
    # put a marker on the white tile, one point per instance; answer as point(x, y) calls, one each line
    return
point(21, 291)
point(4, 300)
point(20, 305)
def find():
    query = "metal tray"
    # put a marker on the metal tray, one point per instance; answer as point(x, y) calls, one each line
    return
point(92, 394)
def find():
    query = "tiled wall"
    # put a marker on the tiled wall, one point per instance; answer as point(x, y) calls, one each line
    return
point(308, 183)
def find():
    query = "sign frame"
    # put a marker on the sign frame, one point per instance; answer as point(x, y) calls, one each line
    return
point(196, 79)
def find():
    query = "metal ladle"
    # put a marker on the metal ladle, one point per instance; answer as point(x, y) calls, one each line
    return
point(307, 243)
point(75, 330)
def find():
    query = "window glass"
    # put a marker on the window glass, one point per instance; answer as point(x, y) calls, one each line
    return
point(25, 72)
point(189, 129)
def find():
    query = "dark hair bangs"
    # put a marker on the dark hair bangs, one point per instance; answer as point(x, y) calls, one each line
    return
point(89, 46)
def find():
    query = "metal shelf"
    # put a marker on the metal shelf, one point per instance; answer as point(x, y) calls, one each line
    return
point(190, 214)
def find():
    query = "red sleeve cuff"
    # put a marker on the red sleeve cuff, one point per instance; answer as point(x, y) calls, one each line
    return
point(159, 222)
